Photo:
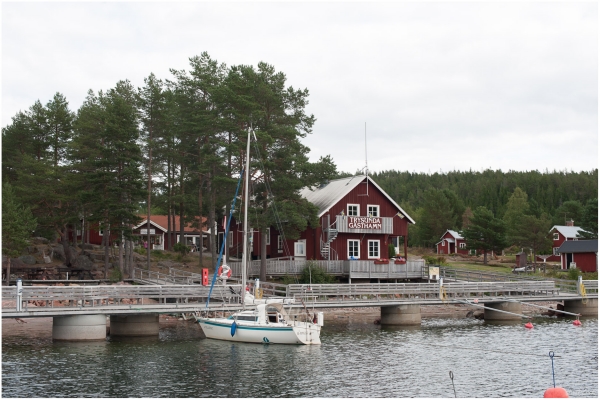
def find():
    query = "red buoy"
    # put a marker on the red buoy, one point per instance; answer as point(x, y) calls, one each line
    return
point(556, 393)
point(577, 322)
point(529, 325)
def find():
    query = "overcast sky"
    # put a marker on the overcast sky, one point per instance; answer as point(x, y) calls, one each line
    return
point(441, 86)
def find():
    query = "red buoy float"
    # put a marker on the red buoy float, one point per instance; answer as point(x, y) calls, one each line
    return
point(529, 325)
point(556, 393)
point(577, 322)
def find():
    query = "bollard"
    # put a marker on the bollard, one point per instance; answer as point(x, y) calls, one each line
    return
point(19, 295)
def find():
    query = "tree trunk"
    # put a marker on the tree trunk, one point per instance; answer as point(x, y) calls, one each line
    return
point(211, 220)
point(106, 252)
point(121, 258)
point(64, 238)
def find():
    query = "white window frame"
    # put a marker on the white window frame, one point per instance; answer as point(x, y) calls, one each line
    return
point(357, 210)
point(268, 236)
point(555, 251)
point(378, 249)
point(374, 207)
point(301, 253)
point(357, 248)
point(556, 236)
point(279, 244)
point(462, 245)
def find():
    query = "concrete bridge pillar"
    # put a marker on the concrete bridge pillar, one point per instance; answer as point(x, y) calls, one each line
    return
point(405, 314)
point(79, 327)
point(509, 306)
point(134, 325)
point(585, 307)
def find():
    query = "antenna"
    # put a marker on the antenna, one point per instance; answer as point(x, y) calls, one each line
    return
point(366, 160)
point(366, 168)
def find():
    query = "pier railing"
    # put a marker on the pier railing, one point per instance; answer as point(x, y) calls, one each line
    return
point(354, 269)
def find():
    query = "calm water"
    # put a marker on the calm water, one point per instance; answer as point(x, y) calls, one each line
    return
point(356, 359)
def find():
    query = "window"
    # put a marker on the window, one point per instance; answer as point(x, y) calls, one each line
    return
point(462, 246)
point(555, 251)
point(353, 249)
point(230, 238)
point(373, 248)
point(268, 236)
point(373, 211)
point(300, 248)
point(555, 236)
point(279, 244)
point(353, 210)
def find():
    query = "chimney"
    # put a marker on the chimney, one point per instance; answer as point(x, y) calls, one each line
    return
point(571, 223)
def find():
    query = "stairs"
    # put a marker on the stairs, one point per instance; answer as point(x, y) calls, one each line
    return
point(326, 244)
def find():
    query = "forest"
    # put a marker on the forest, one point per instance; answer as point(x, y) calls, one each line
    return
point(176, 146)
point(443, 201)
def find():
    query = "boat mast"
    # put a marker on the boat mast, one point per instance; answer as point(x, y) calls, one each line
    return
point(245, 245)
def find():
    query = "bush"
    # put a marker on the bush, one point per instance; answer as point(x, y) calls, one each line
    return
point(433, 260)
point(574, 274)
point(312, 273)
point(115, 275)
point(391, 251)
point(181, 248)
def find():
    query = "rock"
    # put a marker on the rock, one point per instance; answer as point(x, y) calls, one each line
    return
point(169, 264)
point(28, 259)
point(138, 257)
point(58, 252)
point(39, 240)
point(87, 246)
point(83, 262)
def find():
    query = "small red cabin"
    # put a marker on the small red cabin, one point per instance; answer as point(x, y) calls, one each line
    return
point(582, 254)
point(451, 242)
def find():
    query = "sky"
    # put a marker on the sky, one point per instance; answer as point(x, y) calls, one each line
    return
point(409, 86)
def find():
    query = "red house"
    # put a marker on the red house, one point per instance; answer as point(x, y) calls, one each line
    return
point(451, 242)
point(159, 232)
point(582, 254)
point(561, 234)
point(358, 221)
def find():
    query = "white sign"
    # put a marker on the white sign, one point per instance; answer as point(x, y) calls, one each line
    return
point(145, 231)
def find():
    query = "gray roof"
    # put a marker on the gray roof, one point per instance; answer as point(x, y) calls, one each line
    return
point(329, 194)
point(570, 232)
point(579, 246)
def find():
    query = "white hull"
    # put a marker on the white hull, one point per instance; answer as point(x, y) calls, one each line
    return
point(252, 332)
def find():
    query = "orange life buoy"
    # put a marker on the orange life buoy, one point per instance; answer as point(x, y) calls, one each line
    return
point(227, 271)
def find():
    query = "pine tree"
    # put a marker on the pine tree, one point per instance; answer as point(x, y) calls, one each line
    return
point(485, 233)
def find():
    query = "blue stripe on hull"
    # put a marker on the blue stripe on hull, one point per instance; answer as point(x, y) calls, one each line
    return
point(250, 328)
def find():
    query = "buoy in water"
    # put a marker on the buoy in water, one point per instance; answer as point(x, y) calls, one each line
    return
point(529, 325)
point(556, 393)
point(577, 322)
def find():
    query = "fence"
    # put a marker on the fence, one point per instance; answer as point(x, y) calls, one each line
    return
point(353, 269)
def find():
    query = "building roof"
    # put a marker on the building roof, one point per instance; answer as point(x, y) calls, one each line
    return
point(570, 232)
point(162, 222)
point(579, 246)
point(329, 194)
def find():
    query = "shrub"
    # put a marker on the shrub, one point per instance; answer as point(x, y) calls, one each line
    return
point(391, 251)
point(115, 275)
point(181, 248)
point(574, 274)
point(312, 273)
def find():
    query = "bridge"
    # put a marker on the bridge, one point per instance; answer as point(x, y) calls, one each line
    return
point(80, 312)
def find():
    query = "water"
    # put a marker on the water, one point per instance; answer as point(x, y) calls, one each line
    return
point(356, 359)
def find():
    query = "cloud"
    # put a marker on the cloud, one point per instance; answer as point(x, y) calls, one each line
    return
point(440, 85)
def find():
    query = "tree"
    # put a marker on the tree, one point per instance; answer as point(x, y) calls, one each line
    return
point(485, 232)
point(589, 221)
point(18, 223)
point(532, 233)
point(569, 210)
point(435, 217)
point(516, 209)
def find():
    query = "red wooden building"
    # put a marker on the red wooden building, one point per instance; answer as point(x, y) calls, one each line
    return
point(452, 242)
point(561, 234)
point(358, 220)
point(159, 232)
point(582, 254)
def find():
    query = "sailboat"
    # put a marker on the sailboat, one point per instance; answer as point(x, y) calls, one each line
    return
point(259, 320)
